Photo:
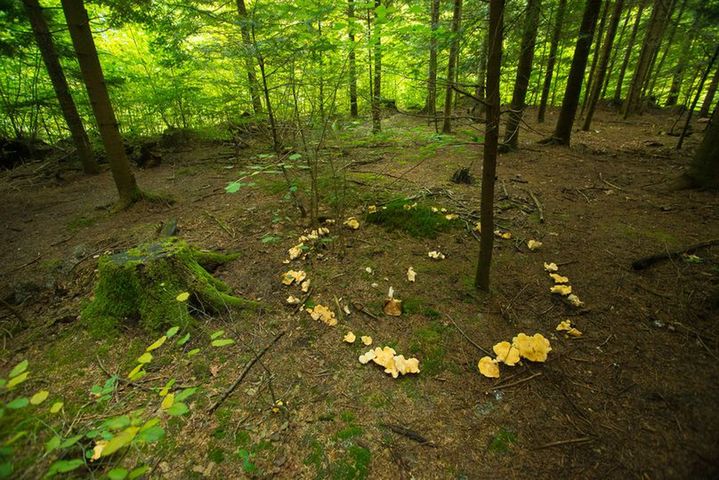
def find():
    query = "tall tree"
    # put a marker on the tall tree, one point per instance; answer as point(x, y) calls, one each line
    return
point(379, 13)
point(668, 46)
point(59, 84)
point(563, 130)
point(524, 71)
point(480, 90)
point(431, 107)
point(652, 39)
point(551, 60)
point(491, 140)
point(595, 56)
point(682, 63)
point(615, 52)
point(451, 66)
point(249, 64)
point(79, 25)
point(352, 59)
point(628, 54)
point(596, 89)
point(709, 97)
point(704, 170)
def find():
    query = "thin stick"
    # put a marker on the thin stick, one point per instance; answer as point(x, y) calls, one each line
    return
point(244, 373)
point(539, 206)
point(478, 347)
point(513, 384)
point(609, 184)
point(564, 442)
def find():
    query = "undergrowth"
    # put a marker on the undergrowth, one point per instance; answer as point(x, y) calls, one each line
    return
point(417, 220)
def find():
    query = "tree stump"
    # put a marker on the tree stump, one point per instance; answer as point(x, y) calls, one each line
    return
point(144, 284)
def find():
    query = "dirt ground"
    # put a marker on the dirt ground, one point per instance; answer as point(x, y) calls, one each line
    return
point(636, 396)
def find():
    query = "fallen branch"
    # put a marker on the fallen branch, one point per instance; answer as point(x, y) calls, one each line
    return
point(539, 206)
point(411, 434)
point(564, 442)
point(244, 373)
point(647, 262)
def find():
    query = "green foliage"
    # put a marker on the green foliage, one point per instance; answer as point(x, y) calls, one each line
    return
point(428, 344)
point(502, 441)
point(413, 218)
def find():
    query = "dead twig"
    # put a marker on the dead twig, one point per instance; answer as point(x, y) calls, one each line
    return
point(478, 347)
point(518, 382)
point(244, 373)
point(539, 206)
point(564, 442)
point(647, 262)
point(411, 434)
point(609, 184)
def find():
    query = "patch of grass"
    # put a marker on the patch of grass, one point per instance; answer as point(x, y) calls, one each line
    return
point(414, 305)
point(79, 222)
point(348, 432)
point(502, 441)
point(428, 344)
point(661, 237)
point(217, 455)
point(418, 221)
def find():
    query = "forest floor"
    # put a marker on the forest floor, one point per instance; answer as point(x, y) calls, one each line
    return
point(636, 396)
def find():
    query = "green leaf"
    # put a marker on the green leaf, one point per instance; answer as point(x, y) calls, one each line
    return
point(172, 332)
point(39, 397)
point(138, 472)
point(151, 435)
point(295, 156)
point(119, 441)
point(183, 296)
point(56, 407)
point(158, 343)
point(178, 409)
point(216, 334)
point(70, 441)
point(15, 438)
point(144, 358)
point(184, 339)
point(17, 380)
point(185, 394)
point(116, 423)
point(222, 342)
point(52, 444)
point(20, 402)
point(167, 387)
point(64, 466)
point(6, 469)
point(19, 368)
point(117, 473)
point(193, 352)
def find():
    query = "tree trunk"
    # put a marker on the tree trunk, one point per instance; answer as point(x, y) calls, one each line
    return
point(451, 64)
point(668, 47)
point(628, 54)
point(652, 39)
point(377, 80)
point(704, 170)
point(709, 97)
point(524, 71)
point(595, 57)
point(249, 65)
point(91, 70)
point(556, 35)
point(480, 90)
point(699, 89)
point(682, 62)
point(352, 59)
point(615, 53)
point(59, 84)
point(596, 91)
point(431, 107)
point(563, 130)
point(489, 164)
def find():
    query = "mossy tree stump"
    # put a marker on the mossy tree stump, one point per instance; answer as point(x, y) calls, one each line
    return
point(143, 284)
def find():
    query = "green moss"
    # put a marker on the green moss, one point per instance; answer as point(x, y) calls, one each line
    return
point(217, 455)
point(413, 305)
point(501, 442)
point(428, 344)
point(348, 432)
point(142, 285)
point(80, 222)
point(418, 221)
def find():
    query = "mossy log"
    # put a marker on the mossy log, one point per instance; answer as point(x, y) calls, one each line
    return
point(143, 284)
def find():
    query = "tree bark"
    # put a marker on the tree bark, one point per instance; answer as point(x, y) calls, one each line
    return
point(59, 84)
point(682, 62)
point(563, 130)
point(596, 90)
point(480, 90)
point(489, 164)
point(352, 59)
point(668, 47)
point(556, 35)
point(451, 65)
point(595, 57)
point(699, 89)
point(249, 65)
point(628, 54)
point(652, 39)
point(704, 170)
point(79, 25)
point(615, 52)
point(431, 107)
point(377, 78)
point(524, 71)
point(709, 97)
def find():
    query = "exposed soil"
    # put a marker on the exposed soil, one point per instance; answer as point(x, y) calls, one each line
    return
point(635, 397)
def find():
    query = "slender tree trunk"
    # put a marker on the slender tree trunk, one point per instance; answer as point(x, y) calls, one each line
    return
point(556, 35)
point(709, 97)
point(491, 140)
point(704, 170)
point(628, 54)
point(79, 25)
point(431, 107)
point(615, 52)
point(700, 87)
point(682, 62)
point(451, 64)
point(480, 90)
point(668, 47)
point(524, 71)
point(59, 84)
point(352, 59)
point(595, 57)
point(596, 91)
point(652, 39)
point(563, 130)
point(249, 65)
point(377, 90)
point(650, 72)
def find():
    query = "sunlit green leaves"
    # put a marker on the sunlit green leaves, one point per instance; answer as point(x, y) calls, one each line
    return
point(17, 380)
point(64, 466)
point(39, 397)
point(18, 403)
point(222, 342)
point(18, 369)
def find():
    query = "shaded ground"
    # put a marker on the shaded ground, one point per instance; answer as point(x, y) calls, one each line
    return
point(635, 396)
